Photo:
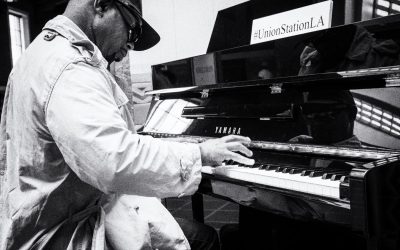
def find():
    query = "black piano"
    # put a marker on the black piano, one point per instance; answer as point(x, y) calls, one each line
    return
point(323, 112)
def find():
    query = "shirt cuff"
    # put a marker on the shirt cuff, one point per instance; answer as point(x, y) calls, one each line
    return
point(190, 167)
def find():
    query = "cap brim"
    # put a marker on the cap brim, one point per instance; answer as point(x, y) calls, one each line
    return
point(149, 36)
point(148, 39)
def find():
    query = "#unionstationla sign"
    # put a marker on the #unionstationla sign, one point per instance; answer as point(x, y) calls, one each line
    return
point(294, 22)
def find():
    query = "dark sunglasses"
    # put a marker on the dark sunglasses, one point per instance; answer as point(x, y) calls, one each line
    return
point(312, 108)
point(135, 23)
point(322, 111)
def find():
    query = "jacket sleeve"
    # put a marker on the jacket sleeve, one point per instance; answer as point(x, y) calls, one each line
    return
point(85, 122)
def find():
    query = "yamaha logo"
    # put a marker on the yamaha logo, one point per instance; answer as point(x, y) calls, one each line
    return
point(227, 130)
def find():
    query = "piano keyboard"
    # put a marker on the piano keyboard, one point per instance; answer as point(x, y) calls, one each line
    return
point(317, 181)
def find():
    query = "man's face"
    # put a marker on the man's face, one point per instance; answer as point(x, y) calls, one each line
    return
point(111, 34)
point(330, 127)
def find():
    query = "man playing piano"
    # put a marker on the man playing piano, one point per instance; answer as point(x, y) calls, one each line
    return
point(73, 172)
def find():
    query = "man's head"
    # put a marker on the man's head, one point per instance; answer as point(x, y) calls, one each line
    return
point(115, 26)
point(265, 74)
point(331, 115)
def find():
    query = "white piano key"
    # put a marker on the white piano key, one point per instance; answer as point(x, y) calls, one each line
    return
point(295, 182)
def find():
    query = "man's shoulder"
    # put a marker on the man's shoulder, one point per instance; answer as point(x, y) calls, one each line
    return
point(50, 54)
point(53, 45)
point(46, 59)
point(47, 55)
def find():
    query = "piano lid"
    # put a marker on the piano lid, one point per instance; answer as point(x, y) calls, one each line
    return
point(355, 50)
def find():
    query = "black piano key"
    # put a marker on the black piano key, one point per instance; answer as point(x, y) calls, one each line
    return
point(262, 166)
point(280, 169)
point(257, 165)
point(254, 166)
point(344, 179)
point(306, 172)
point(327, 176)
point(309, 171)
point(295, 170)
point(329, 173)
point(336, 177)
point(271, 167)
point(331, 176)
point(316, 173)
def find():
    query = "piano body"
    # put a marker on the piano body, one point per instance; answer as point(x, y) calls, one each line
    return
point(334, 180)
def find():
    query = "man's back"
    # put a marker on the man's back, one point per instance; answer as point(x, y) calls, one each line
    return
point(40, 189)
point(71, 150)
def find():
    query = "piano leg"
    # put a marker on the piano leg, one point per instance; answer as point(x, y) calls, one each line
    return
point(197, 207)
point(383, 244)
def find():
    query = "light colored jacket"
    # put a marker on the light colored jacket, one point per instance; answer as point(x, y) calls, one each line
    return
point(73, 174)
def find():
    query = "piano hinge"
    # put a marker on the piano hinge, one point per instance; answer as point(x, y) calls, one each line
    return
point(205, 93)
point(276, 88)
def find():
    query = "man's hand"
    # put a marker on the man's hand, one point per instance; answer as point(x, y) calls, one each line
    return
point(215, 151)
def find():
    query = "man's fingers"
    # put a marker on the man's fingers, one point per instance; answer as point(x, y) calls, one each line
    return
point(239, 147)
point(241, 159)
point(231, 147)
point(236, 138)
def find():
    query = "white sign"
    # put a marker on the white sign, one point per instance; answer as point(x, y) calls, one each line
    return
point(294, 22)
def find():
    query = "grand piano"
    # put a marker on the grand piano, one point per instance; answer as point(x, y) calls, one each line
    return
point(323, 112)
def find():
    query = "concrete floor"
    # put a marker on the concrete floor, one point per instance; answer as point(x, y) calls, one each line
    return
point(216, 212)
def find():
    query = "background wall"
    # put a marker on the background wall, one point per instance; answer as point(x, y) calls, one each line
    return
point(185, 27)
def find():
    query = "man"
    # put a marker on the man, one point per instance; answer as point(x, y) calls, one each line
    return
point(330, 116)
point(71, 166)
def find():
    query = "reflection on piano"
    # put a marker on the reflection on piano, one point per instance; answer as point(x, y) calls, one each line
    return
point(347, 174)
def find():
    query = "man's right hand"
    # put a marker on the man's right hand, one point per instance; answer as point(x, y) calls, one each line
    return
point(215, 151)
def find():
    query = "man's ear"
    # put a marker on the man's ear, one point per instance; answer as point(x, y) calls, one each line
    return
point(102, 5)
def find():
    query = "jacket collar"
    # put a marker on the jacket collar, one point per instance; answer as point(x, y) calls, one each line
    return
point(68, 29)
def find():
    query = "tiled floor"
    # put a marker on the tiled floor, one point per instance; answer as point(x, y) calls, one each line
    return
point(216, 212)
